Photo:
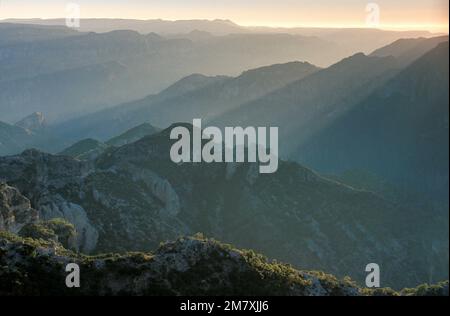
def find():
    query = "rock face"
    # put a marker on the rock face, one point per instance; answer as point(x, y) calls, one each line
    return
point(15, 210)
point(87, 234)
point(133, 197)
point(188, 266)
point(44, 177)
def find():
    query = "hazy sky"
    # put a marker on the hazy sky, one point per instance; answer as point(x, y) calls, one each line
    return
point(408, 14)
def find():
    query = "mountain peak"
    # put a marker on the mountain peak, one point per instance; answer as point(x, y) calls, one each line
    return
point(33, 122)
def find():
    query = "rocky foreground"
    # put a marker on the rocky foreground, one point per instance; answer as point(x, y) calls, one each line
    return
point(188, 266)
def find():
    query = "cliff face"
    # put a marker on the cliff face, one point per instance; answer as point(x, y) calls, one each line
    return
point(15, 209)
point(18, 217)
point(42, 177)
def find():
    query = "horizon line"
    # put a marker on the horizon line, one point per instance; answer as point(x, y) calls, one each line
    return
point(432, 28)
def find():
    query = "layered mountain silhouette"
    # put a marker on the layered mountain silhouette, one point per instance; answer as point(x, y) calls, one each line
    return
point(409, 50)
point(217, 27)
point(384, 114)
point(304, 106)
point(400, 131)
point(65, 73)
point(134, 196)
point(13, 33)
point(350, 39)
point(195, 96)
point(74, 75)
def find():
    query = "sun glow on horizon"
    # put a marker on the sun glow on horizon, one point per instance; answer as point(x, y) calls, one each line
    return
point(431, 15)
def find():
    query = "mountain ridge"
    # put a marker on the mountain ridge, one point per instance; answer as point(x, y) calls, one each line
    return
point(314, 222)
point(409, 115)
point(191, 97)
point(192, 266)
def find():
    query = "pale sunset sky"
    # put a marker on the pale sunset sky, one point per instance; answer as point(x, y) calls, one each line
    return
point(394, 14)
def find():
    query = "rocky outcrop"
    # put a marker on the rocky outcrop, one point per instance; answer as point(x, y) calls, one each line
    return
point(33, 122)
point(15, 209)
point(160, 188)
point(46, 178)
point(87, 234)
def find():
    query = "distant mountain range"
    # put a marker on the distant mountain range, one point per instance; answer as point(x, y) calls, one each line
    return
point(351, 39)
point(195, 96)
point(47, 68)
point(16, 33)
point(163, 27)
point(69, 76)
point(210, 97)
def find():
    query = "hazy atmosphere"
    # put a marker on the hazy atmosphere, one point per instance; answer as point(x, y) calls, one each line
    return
point(400, 14)
point(214, 148)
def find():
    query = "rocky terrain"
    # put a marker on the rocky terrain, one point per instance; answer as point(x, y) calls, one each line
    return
point(133, 197)
point(188, 266)
point(15, 209)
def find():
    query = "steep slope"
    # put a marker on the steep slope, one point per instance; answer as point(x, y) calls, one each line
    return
point(134, 197)
point(85, 149)
point(41, 181)
point(409, 50)
point(90, 149)
point(188, 266)
point(192, 97)
point(304, 106)
point(133, 135)
point(223, 96)
point(399, 132)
